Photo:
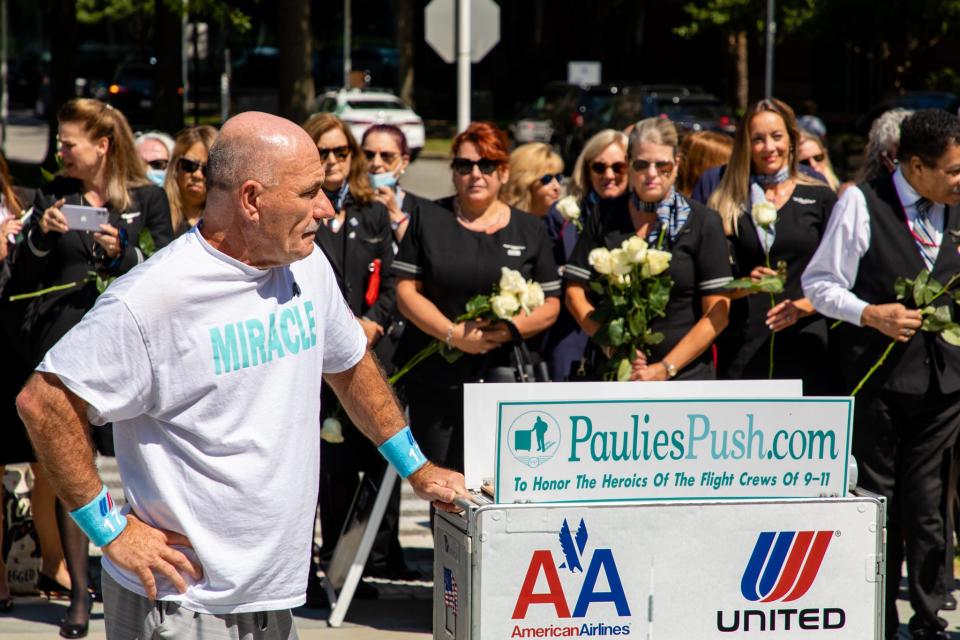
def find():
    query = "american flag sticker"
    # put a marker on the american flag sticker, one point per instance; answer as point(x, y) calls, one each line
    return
point(450, 598)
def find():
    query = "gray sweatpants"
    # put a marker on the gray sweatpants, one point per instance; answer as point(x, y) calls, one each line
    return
point(130, 616)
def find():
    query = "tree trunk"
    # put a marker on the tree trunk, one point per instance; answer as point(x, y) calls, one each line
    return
point(168, 79)
point(406, 14)
point(296, 91)
point(63, 47)
point(737, 51)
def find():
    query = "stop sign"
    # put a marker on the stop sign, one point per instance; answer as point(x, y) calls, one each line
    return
point(441, 28)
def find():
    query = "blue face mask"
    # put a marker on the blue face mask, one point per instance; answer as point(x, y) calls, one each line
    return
point(156, 176)
point(385, 179)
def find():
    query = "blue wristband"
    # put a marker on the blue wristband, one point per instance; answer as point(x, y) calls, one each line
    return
point(403, 452)
point(99, 519)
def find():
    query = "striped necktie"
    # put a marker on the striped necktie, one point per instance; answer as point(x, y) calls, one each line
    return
point(925, 232)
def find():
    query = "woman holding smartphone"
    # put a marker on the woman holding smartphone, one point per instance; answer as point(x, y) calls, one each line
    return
point(101, 169)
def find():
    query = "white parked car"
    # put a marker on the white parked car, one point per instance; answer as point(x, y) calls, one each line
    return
point(361, 109)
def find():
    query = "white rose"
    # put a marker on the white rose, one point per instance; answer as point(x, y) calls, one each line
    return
point(532, 298)
point(505, 305)
point(764, 214)
point(622, 281)
point(620, 262)
point(331, 431)
point(657, 262)
point(568, 208)
point(511, 281)
point(636, 248)
point(599, 259)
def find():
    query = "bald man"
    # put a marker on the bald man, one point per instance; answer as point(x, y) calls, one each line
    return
point(208, 361)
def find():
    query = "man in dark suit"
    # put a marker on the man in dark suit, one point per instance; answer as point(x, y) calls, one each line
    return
point(907, 415)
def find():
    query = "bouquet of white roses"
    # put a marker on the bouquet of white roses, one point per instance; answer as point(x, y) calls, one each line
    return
point(633, 291)
point(510, 296)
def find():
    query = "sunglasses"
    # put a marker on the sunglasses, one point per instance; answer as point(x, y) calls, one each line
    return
point(159, 165)
point(550, 177)
point(817, 158)
point(600, 168)
point(387, 156)
point(340, 153)
point(464, 166)
point(186, 165)
point(664, 167)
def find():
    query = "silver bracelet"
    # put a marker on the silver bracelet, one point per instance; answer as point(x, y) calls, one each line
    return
point(449, 339)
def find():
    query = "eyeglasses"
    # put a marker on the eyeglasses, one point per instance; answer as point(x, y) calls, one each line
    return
point(464, 166)
point(817, 158)
point(550, 177)
point(159, 165)
point(387, 156)
point(600, 168)
point(340, 153)
point(186, 165)
point(664, 167)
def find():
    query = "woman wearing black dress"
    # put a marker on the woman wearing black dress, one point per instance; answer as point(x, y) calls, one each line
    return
point(700, 266)
point(101, 169)
point(449, 256)
point(765, 154)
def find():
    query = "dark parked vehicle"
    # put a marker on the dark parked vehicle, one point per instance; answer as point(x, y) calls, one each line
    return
point(913, 100)
point(132, 92)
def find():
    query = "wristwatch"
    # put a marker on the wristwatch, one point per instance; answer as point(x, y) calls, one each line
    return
point(671, 369)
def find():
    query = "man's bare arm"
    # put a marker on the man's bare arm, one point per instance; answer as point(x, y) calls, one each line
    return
point(56, 420)
point(373, 407)
point(57, 423)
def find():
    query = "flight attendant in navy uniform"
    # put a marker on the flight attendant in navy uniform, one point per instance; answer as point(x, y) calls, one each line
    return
point(700, 264)
point(907, 415)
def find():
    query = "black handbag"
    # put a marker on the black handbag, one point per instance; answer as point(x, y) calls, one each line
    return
point(524, 366)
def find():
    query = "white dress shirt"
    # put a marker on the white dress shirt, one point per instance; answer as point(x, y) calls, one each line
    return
point(833, 269)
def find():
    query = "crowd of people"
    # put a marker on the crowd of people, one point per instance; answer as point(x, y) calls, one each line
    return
point(407, 267)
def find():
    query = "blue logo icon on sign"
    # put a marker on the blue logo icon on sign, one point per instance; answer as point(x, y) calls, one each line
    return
point(534, 438)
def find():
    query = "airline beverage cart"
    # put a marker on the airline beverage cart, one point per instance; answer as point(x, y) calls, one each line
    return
point(693, 511)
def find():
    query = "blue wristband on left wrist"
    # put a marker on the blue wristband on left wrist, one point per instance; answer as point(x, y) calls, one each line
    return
point(100, 519)
point(403, 452)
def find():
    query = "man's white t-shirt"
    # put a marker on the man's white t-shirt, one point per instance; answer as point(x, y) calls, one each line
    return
point(210, 370)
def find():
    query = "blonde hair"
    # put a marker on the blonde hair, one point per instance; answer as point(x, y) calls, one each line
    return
point(653, 131)
point(832, 180)
point(528, 163)
point(185, 139)
point(701, 150)
point(731, 196)
point(581, 184)
point(124, 169)
point(357, 179)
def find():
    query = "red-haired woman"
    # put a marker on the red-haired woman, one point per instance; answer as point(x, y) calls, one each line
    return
point(446, 258)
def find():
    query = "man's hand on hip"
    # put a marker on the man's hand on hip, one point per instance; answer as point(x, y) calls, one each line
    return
point(148, 552)
point(438, 485)
point(893, 320)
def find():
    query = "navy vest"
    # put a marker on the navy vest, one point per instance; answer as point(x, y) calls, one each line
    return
point(894, 253)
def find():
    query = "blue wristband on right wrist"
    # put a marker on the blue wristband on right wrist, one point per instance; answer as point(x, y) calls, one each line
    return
point(100, 519)
point(403, 452)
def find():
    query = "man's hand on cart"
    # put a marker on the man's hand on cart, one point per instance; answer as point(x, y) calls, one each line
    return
point(440, 486)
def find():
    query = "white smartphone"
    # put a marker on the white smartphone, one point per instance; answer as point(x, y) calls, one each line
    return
point(82, 218)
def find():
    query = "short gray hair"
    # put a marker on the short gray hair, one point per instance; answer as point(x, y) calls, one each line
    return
point(159, 136)
point(231, 161)
point(884, 134)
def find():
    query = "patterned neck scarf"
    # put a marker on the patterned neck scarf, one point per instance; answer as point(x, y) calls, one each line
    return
point(672, 213)
point(770, 179)
point(340, 197)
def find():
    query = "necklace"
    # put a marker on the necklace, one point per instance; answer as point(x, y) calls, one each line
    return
point(473, 226)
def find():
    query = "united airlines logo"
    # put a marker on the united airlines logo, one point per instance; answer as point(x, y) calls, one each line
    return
point(106, 506)
point(784, 565)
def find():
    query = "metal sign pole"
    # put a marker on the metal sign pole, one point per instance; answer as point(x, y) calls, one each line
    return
point(463, 64)
point(347, 58)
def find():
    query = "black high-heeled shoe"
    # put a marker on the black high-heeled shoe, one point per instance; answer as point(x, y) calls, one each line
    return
point(74, 630)
point(6, 605)
point(51, 588)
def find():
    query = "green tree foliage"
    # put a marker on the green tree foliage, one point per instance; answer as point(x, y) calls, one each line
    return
point(95, 11)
